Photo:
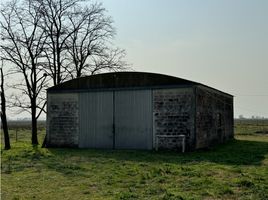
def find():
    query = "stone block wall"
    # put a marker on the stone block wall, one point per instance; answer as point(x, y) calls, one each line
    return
point(173, 114)
point(214, 117)
point(62, 120)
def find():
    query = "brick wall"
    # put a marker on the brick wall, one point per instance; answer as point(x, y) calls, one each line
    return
point(62, 122)
point(214, 117)
point(173, 114)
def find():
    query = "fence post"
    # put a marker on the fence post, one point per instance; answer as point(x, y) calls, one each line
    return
point(183, 144)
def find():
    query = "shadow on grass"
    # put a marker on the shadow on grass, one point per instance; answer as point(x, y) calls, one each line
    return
point(235, 152)
point(73, 161)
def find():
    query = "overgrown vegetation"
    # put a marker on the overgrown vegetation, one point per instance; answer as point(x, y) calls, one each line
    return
point(236, 170)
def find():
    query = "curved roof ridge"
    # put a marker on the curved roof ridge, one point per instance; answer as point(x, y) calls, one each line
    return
point(124, 79)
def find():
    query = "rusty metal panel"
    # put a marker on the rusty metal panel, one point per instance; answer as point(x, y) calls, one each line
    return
point(133, 119)
point(96, 120)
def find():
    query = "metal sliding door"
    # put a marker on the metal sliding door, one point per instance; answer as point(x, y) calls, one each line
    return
point(133, 119)
point(96, 120)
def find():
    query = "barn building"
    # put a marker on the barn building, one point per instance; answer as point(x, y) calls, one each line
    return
point(137, 110)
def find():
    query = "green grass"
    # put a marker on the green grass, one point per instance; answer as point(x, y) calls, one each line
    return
point(250, 127)
point(236, 170)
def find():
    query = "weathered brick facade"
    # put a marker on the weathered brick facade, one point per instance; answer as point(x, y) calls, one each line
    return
point(214, 117)
point(173, 114)
point(63, 120)
point(177, 107)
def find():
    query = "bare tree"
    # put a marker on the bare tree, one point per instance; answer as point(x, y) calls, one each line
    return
point(22, 45)
point(61, 39)
point(3, 112)
point(108, 60)
point(53, 22)
point(88, 44)
point(78, 39)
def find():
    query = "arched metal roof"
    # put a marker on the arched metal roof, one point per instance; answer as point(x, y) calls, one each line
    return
point(123, 80)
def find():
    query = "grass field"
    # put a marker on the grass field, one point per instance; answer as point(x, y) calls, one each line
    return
point(236, 170)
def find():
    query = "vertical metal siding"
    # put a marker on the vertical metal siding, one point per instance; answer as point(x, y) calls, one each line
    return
point(96, 120)
point(133, 119)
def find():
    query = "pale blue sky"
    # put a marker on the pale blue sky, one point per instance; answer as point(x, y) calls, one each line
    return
point(221, 43)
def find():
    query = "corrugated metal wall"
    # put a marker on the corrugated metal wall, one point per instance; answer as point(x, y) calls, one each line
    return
point(133, 119)
point(96, 120)
point(116, 119)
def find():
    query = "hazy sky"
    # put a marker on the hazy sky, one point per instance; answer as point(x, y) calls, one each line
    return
point(221, 43)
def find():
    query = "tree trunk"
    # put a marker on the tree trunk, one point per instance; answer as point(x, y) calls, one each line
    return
point(6, 134)
point(4, 122)
point(3, 113)
point(34, 124)
point(78, 75)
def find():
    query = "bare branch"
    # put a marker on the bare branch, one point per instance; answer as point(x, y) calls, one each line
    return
point(22, 44)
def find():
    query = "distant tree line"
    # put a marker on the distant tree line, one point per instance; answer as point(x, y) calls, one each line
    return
point(46, 42)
